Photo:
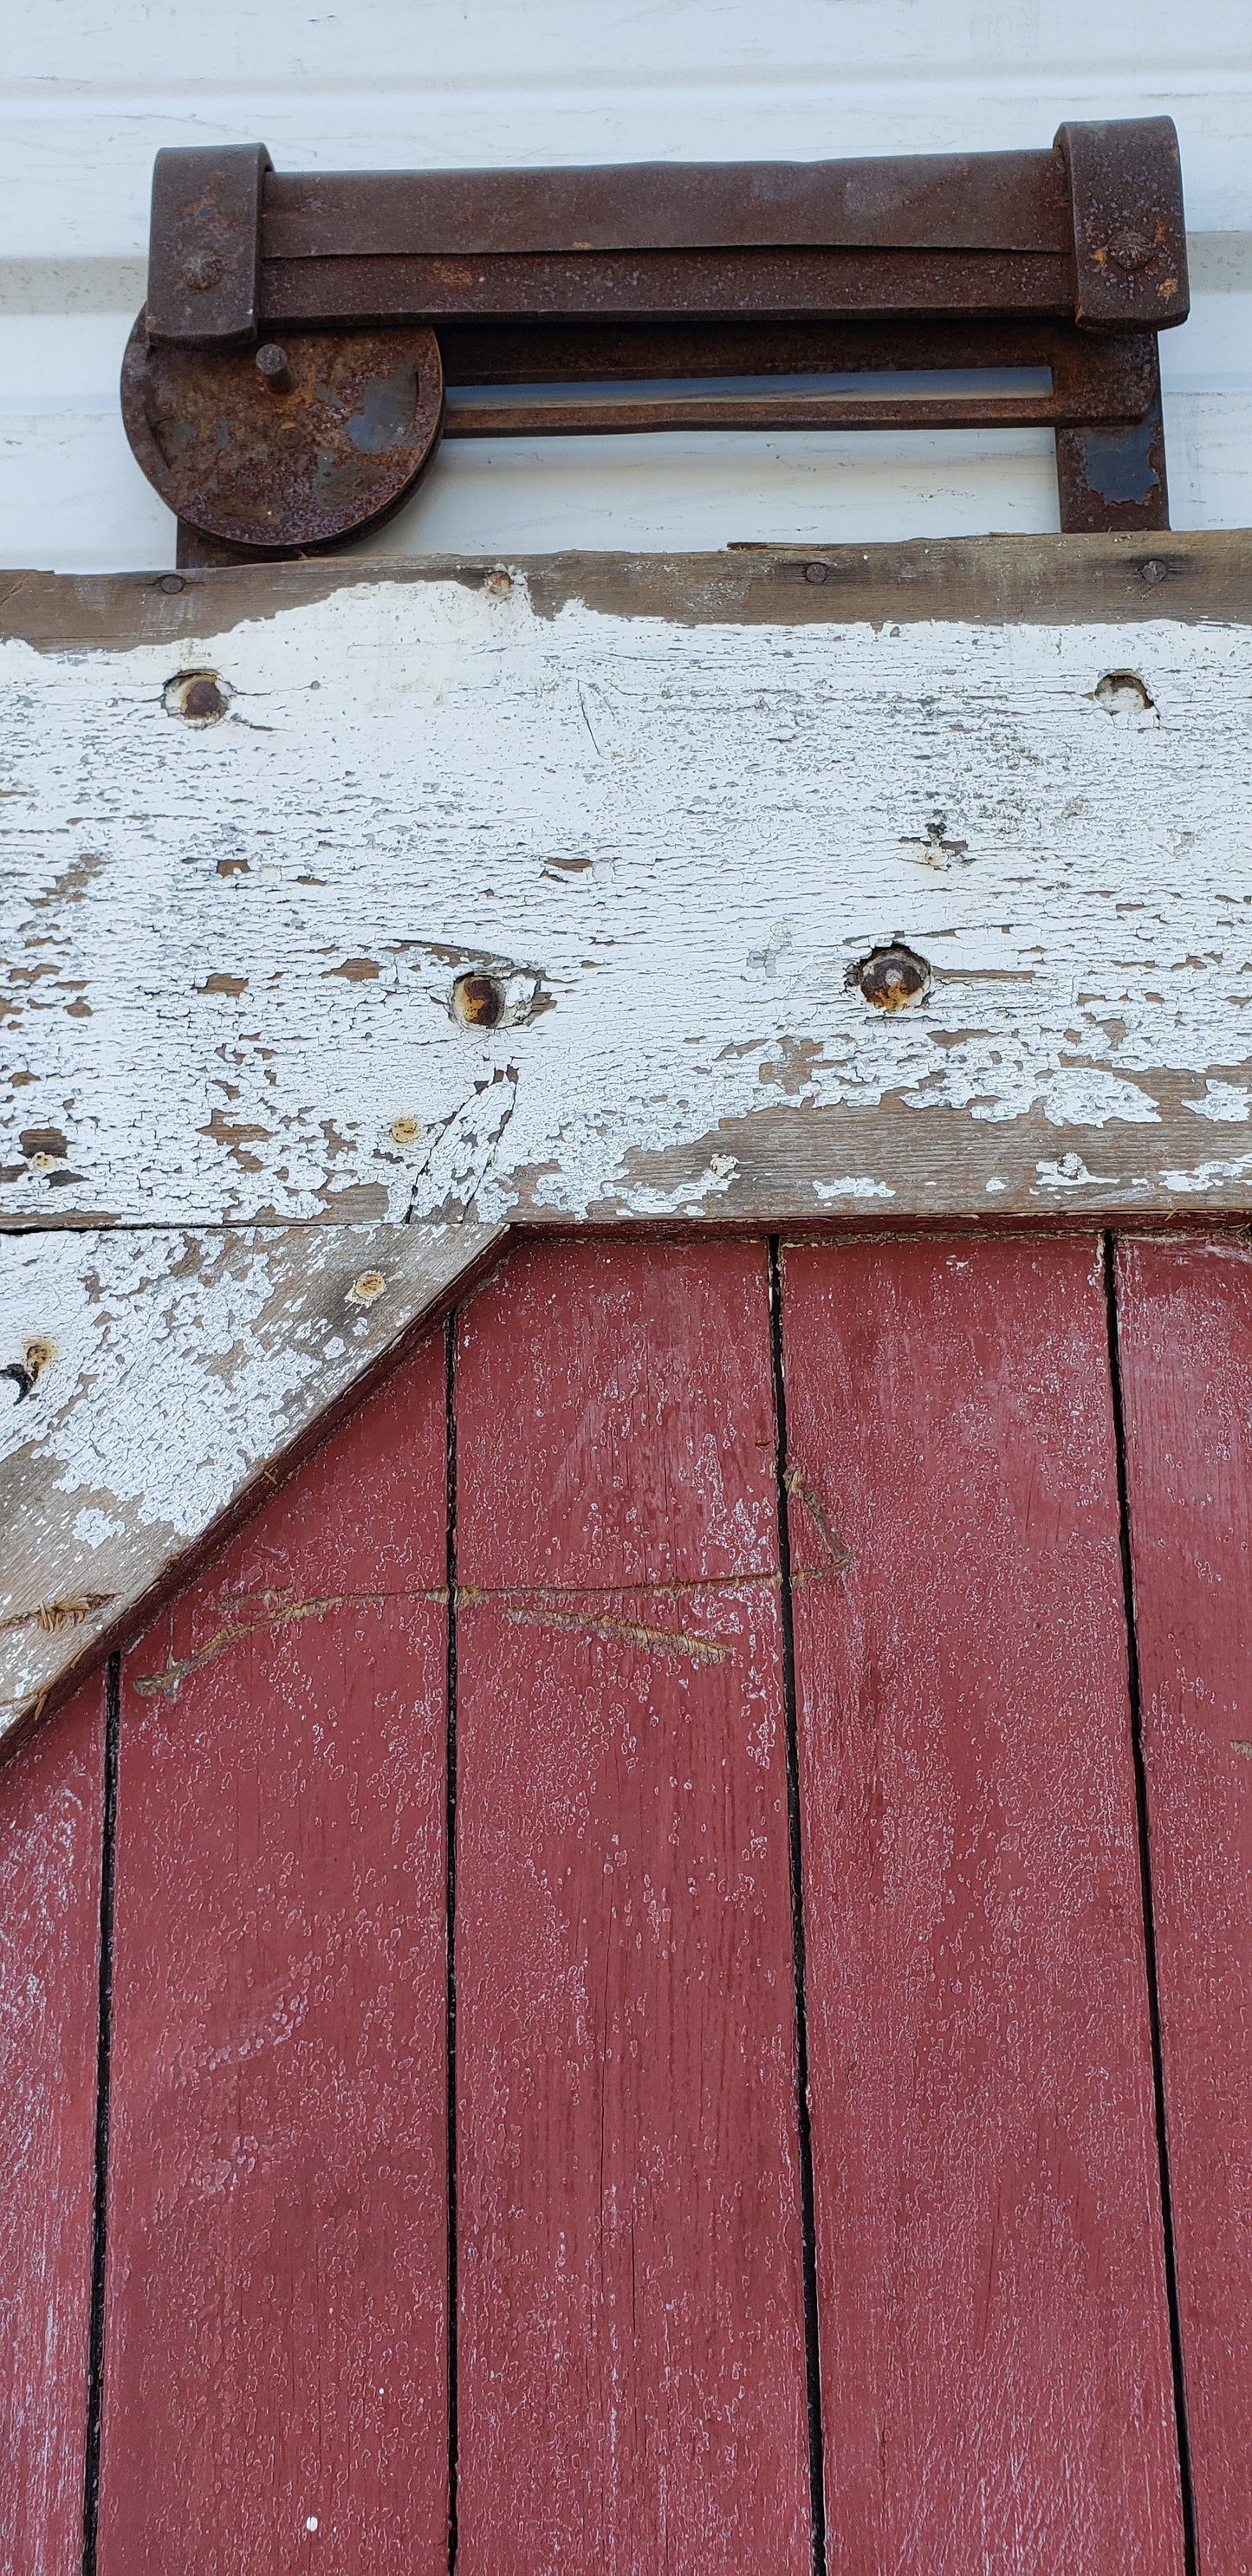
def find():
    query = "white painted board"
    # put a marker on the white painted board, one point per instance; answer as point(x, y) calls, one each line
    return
point(232, 948)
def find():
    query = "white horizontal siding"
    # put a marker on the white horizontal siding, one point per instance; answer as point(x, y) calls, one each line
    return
point(88, 95)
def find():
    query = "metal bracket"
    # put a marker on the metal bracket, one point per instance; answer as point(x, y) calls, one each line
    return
point(308, 340)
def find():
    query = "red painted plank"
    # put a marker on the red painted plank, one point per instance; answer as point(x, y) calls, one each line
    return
point(1186, 1343)
point(995, 2364)
point(275, 2358)
point(631, 2340)
point(51, 1798)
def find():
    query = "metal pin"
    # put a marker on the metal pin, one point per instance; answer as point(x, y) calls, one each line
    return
point(273, 369)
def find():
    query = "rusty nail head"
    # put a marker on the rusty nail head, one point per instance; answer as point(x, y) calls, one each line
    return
point(815, 572)
point(172, 581)
point(199, 697)
point(478, 1000)
point(891, 977)
point(1153, 571)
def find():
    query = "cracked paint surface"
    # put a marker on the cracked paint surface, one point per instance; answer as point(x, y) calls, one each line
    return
point(182, 1365)
point(230, 950)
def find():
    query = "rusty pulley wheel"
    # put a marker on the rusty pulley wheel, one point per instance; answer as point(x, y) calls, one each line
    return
point(301, 442)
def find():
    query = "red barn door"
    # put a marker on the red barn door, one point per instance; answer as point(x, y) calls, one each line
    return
point(642, 2030)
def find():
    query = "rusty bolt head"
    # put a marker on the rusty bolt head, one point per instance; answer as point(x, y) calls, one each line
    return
point(891, 978)
point(1154, 572)
point(202, 272)
point(816, 572)
point(199, 697)
point(1131, 251)
point(172, 581)
point(273, 368)
point(478, 1001)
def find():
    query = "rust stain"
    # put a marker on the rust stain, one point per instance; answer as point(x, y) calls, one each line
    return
point(264, 1613)
point(837, 1549)
point(52, 1616)
point(273, 1615)
point(632, 1632)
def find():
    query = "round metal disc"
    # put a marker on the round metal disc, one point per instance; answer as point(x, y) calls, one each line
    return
point(321, 440)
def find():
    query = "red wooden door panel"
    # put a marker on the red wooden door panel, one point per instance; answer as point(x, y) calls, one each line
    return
point(631, 2352)
point(1186, 1350)
point(275, 2351)
point(51, 1797)
point(994, 2333)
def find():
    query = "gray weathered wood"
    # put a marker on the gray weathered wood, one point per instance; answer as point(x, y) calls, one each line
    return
point(174, 1372)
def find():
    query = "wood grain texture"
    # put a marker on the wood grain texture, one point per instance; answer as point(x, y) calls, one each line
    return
point(183, 1373)
point(631, 2342)
point(995, 2360)
point(51, 1796)
point(276, 2295)
point(1186, 1344)
point(233, 948)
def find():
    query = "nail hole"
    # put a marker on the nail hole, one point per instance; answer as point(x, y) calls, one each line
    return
point(891, 978)
point(1123, 693)
point(199, 697)
point(478, 1001)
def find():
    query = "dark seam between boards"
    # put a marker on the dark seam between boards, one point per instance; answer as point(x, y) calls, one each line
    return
point(1190, 2547)
point(450, 1332)
point(104, 2039)
point(812, 2346)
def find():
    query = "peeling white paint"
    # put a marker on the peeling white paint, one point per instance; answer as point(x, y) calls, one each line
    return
point(231, 949)
point(183, 1365)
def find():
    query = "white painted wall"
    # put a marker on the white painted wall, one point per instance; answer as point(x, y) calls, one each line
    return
point(88, 93)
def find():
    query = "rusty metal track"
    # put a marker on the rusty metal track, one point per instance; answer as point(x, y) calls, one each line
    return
point(264, 390)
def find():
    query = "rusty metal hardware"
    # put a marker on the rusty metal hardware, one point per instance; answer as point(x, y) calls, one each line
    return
point(284, 386)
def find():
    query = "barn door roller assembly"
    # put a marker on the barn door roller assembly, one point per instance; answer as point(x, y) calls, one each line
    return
point(308, 340)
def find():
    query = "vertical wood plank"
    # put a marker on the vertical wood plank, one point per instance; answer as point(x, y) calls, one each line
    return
point(51, 1802)
point(995, 2362)
point(1186, 1348)
point(275, 2359)
point(631, 2390)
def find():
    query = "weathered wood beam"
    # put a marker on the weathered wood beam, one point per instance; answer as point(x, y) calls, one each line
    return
point(160, 1383)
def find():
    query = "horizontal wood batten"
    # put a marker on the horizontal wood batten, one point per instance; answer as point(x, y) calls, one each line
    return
point(1018, 580)
point(660, 813)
